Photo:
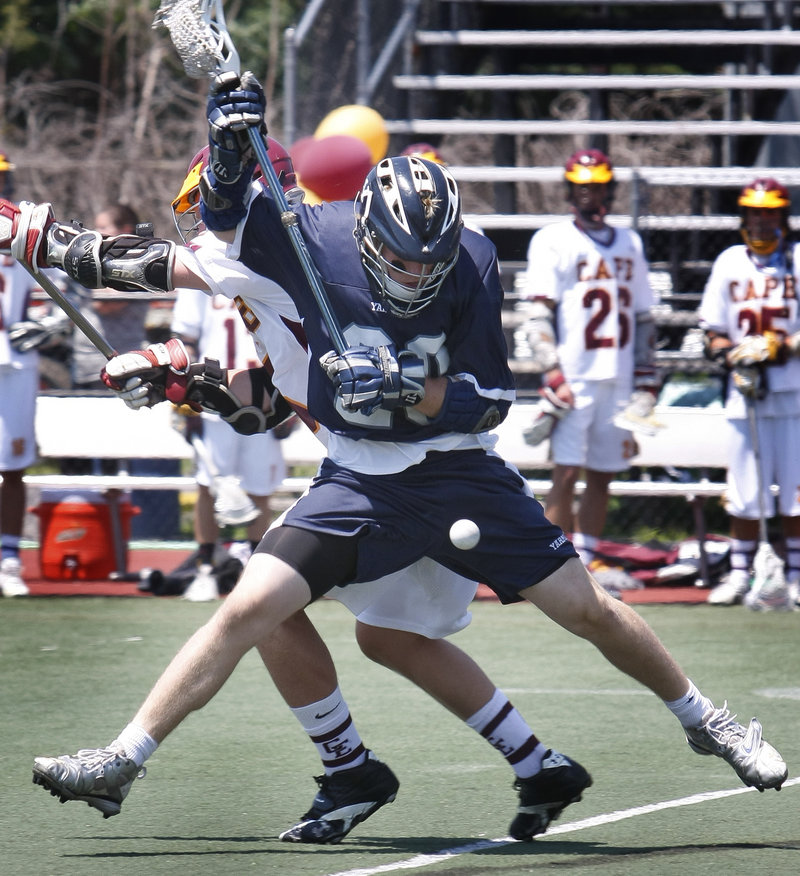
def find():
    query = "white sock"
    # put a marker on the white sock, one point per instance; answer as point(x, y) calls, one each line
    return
point(502, 726)
point(741, 557)
point(792, 558)
point(331, 729)
point(585, 545)
point(691, 708)
point(137, 744)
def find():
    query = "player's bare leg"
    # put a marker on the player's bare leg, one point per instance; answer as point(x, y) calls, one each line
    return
point(354, 784)
point(547, 781)
point(572, 599)
point(791, 535)
point(12, 516)
point(255, 530)
point(593, 506)
point(560, 499)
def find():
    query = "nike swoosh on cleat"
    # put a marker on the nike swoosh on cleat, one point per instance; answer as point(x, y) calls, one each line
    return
point(751, 737)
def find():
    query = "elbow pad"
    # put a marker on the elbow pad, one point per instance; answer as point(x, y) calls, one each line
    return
point(208, 388)
point(126, 262)
point(466, 411)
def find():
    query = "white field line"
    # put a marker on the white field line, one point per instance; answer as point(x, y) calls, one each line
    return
point(594, 821)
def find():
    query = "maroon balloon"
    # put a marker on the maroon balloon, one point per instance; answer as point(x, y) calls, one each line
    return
point(299, 149)
point(334, 167)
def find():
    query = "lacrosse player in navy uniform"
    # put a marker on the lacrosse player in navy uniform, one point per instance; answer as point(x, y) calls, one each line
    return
point(410, 403)
point(401, 621)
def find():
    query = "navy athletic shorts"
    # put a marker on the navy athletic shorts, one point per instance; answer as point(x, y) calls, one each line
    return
point(398, 518)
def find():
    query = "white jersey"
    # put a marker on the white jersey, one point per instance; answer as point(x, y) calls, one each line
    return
point(16, 286)
point(743, 298)
point(19, 376)
point(597, 291)
point(216, 325)
point(214, 321)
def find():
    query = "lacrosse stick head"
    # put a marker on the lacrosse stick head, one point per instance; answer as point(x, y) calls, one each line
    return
point(198, 31)
point(769, 591)
point(232, 506)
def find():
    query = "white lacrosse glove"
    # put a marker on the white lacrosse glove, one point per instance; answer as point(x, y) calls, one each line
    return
point(23, 230)
point(749, 380)
point(143, 378)
point(37, 334)
point(638, 415)
point(757, 349)
point(550, 410)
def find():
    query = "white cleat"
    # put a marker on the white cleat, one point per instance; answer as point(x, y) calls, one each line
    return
point(753, 759)
point(11, 583)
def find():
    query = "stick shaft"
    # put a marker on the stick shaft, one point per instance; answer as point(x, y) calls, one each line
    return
point(755, 441)
point(296, 238)
point(71, 310)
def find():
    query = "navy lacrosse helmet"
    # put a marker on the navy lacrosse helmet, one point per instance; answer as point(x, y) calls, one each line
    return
point(410, 207)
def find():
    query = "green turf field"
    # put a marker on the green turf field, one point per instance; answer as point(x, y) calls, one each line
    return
point(234, 775)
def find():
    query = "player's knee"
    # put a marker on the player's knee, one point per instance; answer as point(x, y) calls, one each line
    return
point(384, 646)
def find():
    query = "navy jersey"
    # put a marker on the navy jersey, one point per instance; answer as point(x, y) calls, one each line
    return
point(459, 333)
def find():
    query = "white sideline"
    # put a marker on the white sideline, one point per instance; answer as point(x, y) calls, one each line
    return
point(594, 821)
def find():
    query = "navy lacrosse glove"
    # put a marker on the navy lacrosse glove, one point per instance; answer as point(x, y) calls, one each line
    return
point(234, 106)
point(366, 378)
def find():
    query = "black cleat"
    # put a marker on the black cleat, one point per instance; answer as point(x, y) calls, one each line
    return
point(543, 797)
point(344, 800)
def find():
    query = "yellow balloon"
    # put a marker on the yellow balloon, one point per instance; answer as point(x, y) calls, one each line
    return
point(362, 122)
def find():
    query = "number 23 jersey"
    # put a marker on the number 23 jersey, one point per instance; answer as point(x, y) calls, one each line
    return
point(597, 291)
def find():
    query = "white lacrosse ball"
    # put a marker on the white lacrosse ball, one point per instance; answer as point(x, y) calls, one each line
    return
point(465, 534)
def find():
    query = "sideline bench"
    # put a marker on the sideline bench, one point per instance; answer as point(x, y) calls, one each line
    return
point(105, 428)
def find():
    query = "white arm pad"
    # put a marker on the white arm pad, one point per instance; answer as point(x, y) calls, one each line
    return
point(644, 347)
point(535, 339)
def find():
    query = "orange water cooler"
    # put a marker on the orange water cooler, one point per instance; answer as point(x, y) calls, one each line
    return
point(76, 534)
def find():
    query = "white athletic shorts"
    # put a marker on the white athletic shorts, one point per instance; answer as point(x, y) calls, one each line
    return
point(587, 437)
point(425, 598)
point(18, 389)
point(257, 460)
point(779, 439)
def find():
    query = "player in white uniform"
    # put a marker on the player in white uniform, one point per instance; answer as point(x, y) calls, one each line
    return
point(750, 313)
point(19, 383)
point(212, 328)
point(590, 332)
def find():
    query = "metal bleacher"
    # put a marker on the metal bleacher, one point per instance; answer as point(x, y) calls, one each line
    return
point(491, 68)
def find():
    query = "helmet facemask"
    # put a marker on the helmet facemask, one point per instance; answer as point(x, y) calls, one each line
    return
point(408, 231)
point(764, 209)
point(589, 177)
point(404, 292)
point(763, 238)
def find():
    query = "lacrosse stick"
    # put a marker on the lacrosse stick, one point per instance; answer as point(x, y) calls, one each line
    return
point(101, 344)
point(769, 589)
point(232, 506)
point(198, 31)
